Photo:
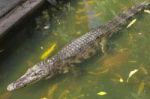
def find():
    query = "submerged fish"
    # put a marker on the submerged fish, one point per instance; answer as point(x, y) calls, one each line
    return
point(76, 51)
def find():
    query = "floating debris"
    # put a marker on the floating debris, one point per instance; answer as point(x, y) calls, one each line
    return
point(140, 33)
point(132, 73)
point(46, 27)
point(102, 93)
point(43, 98)
point(131, 23)
point(147, 11)
point(121, 80)
point(117, 79)
point(46, 54)
point(141, 88)
point(41, 47)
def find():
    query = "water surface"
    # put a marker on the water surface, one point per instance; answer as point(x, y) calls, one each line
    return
point(127, 51)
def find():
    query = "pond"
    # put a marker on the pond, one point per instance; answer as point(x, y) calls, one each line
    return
point(123, 72)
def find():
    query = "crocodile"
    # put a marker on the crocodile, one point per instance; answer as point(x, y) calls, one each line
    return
point(77, 50)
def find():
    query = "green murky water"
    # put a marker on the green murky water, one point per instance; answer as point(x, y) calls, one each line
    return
point(128, 52)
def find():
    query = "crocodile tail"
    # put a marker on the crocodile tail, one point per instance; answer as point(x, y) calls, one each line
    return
point(122, 19)
point(127, 15)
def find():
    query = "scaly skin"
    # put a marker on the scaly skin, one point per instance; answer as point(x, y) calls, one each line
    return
point(78, 50)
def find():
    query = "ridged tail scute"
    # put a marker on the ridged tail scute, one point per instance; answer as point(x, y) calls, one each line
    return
point(126, 15)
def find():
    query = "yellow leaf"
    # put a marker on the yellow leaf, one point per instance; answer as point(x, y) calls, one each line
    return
point(147, 11)
point(132, 73)
point(102, 93)
point(141, 88)
point(48, 52)
point(131, 23)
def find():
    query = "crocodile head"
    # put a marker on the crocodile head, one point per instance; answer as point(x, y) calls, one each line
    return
point(34, 74)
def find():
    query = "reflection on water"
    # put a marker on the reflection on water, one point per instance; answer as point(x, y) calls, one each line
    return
point(128, 51)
